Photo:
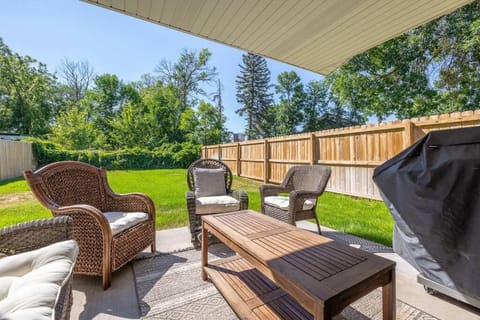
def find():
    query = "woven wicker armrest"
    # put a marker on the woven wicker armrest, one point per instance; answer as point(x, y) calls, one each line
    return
point(267, 190)
point(190, 197)
point(191, 208)
point(271, 190)
point(34, 234)
point(242, 196)
point(298, 197)
point(130, 202)
point(85, 219)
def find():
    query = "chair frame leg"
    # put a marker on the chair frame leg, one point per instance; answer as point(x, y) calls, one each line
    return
point(318, 225)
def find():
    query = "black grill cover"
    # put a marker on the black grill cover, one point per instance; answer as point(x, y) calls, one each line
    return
point(433, 192)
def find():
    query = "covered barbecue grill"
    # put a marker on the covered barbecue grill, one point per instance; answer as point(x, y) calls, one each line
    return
point(432, 190)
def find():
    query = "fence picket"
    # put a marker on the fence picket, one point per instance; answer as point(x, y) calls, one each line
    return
point(15, 157)
point(352, 152)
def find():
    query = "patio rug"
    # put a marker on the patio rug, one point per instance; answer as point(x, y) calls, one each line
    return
point(169, 286)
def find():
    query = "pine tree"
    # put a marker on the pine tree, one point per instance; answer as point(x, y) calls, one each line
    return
point(253, 86)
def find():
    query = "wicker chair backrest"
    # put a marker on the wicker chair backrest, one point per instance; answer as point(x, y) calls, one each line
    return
point(210, 164)
point(67, 183)
point(310, 178)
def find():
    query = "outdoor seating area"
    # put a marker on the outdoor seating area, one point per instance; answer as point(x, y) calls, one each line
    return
point(266, 194)
point(267, 266)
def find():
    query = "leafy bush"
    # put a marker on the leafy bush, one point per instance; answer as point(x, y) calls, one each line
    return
point(174, 155)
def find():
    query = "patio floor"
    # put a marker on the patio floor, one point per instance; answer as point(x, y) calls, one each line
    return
point(120, 301)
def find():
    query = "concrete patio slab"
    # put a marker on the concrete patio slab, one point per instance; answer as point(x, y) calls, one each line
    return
point(120, 300)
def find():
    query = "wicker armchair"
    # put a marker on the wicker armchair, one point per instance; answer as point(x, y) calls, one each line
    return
point(81, 191)
point(304, 185)
point(194, 202)
point(37, 234)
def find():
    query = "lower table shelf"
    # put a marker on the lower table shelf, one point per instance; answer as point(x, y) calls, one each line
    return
point(250, 294)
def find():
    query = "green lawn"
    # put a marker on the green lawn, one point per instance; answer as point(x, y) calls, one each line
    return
point(368, 219)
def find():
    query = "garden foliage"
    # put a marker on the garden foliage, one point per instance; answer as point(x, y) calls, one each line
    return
point(173, 155)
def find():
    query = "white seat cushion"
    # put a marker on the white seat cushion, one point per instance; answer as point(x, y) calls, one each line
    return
point(30, 282)
point(216, 204)
point(282, 202)
point(120, 221)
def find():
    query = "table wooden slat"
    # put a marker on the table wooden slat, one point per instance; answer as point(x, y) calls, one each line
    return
point(265, 300)
point(320, 275)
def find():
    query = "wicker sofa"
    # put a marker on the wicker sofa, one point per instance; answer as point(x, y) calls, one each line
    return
point(36, 269)
point(110, 228)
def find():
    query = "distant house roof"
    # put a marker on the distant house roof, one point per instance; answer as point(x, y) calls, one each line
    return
point(11, 136)
point(314, 35)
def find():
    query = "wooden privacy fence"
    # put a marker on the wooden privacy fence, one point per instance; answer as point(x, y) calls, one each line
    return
point(15, 156)
point(352, 153)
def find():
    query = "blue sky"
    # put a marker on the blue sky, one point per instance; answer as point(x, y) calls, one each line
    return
point(52, 30)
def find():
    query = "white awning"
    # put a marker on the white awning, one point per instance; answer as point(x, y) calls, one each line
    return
point(317, 35)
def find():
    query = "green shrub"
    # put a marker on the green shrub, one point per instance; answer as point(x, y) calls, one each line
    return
point(175, 155)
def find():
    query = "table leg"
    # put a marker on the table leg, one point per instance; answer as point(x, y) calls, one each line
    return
point(322, 313)
point(389, 298)
point(204, 250)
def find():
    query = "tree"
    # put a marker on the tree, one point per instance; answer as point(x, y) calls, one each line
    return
point(130, 127)
point(105, 99)
point(151, 122)
point(27, 94)
point(147, 80)
point(78, 77)
point(188, 75)
point(389, 79)
point(338, 116)
point(189, 126)
point(454, 45)
point(292, 98)
point(253, 86)
point(316, 105)
point(210, 129)
point(431, 69)
point(74, 131)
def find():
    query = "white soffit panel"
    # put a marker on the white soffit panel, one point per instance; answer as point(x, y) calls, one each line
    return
point(317, 35)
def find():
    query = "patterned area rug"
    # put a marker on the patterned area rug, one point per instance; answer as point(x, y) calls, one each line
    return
point(169, 286)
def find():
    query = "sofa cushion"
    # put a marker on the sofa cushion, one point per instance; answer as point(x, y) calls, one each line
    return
point(209, 182)
point(216, 204)
point(30, 282)
point(120, 221)
point(282, 202)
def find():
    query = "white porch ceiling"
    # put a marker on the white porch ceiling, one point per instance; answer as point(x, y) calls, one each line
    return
point(317, 35)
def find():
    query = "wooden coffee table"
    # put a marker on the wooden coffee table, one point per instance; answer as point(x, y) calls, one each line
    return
point(282, 272)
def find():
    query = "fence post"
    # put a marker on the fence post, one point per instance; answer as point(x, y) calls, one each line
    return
point(239, 156)
point(219, 152)
point(313, 149)
point(409, 134)
point(265, 162)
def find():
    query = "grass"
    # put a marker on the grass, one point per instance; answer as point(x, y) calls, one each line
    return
point(368, 219)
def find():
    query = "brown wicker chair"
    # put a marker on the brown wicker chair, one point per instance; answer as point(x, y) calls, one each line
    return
point(193, 214)
point(36, 234)
point(81, 191)
point(304, 185)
